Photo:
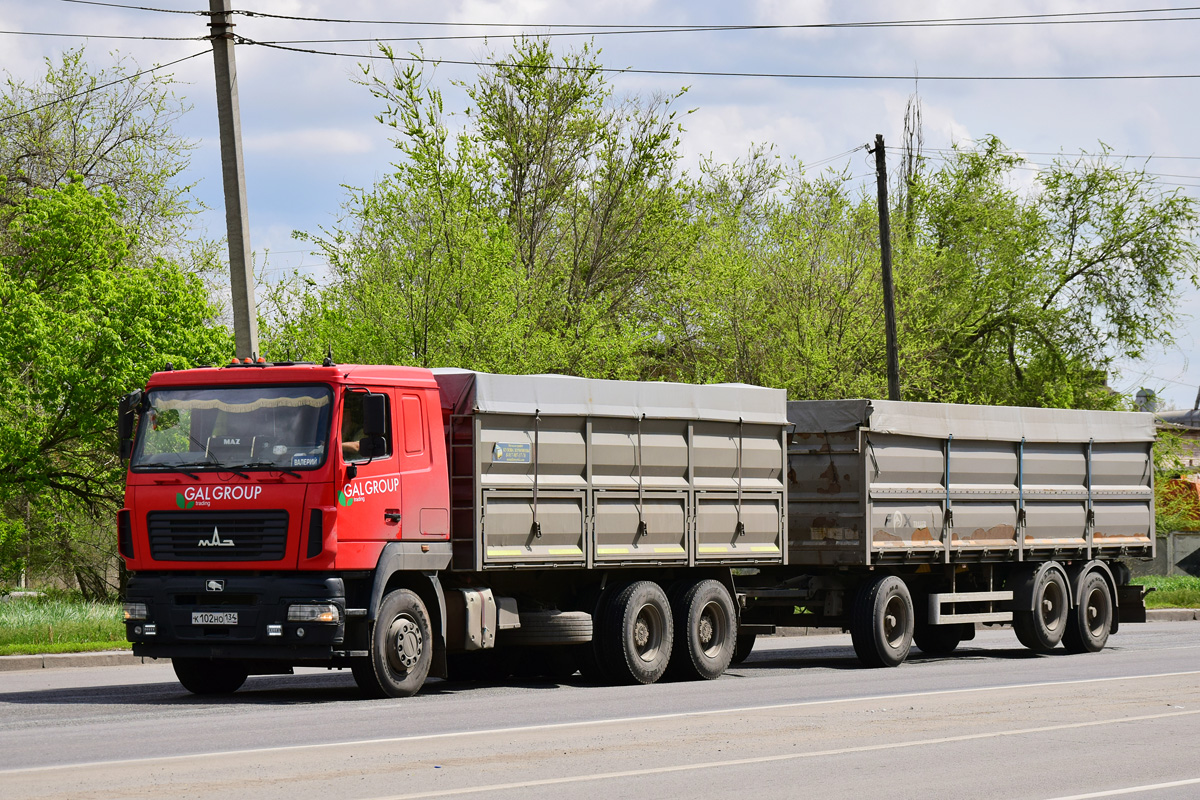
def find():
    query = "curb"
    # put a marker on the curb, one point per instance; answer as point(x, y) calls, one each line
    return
point(99, 658)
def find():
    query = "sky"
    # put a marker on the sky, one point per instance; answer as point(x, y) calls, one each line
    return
point(309, 130)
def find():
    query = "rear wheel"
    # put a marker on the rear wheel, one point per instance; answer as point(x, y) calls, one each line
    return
point(940, 640)
point(637, 634)
point(401, 648)
point(881, 623)
point(705, 631)
point(743, 646)
point(204, 676)
point(1090, 621)
point(1042, 628)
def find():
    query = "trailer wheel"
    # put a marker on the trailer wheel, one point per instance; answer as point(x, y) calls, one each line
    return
point(743, 646)
point(1042, 628)
point(1090, 621)
point(205, 676)
point(705, 631)
point(881, 622)
point(637, 634)
point(939, 640)
point(401, 648)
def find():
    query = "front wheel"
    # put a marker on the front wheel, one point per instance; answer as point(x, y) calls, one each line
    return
point(881, 622)
point(204, 676)
point(401, 648)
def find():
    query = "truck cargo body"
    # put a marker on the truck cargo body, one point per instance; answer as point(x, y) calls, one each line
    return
point(404, 522)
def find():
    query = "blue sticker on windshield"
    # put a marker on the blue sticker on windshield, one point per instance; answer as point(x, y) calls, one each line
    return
point(305, 460)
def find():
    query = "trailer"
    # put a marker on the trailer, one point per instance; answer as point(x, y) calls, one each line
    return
point(403, 523)
point(916, 522)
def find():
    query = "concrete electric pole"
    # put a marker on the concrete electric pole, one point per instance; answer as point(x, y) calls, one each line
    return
point(885, 250)
point(233, 174)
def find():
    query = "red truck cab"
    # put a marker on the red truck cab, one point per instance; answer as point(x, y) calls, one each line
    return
point(260, 500)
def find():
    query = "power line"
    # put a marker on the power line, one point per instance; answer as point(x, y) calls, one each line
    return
point(936, 21)
point(89, 90)
point(108, 36)
point(717, 74)
point(135, 8)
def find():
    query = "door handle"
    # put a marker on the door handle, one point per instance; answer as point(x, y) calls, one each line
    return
point(392, 516)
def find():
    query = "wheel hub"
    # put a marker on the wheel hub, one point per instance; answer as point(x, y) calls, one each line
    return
point(406, 643)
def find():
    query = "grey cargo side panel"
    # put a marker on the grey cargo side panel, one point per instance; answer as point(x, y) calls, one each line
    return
point(873, 481)
point(557, 471)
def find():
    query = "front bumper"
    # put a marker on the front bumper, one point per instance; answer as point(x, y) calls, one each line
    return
point(261, 603)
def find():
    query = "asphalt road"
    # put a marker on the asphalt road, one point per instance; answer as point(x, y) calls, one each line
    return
point(798, 719)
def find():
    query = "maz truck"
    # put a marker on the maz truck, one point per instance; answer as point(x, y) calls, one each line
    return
point(406, 522)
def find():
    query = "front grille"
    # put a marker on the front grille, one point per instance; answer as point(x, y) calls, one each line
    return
point(217, 535)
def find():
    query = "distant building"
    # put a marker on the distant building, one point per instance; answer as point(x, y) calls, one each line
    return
point(1187, 425)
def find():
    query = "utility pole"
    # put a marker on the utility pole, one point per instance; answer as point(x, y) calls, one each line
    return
point(885, 251)
point(233, 174)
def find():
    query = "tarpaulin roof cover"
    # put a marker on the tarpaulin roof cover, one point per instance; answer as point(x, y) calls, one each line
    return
point(993, 423)
point(564, 395)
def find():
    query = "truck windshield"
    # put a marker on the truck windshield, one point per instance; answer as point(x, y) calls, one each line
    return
point(260, 427)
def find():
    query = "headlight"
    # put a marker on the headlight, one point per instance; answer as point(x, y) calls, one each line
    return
point(313, 612)
point(134, 611)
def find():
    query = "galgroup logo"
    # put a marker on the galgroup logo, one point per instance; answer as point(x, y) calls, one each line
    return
point(204, 496)
point(358, 491)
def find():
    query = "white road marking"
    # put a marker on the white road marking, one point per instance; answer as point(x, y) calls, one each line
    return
point(1149, 787)
point(634, 773)
point(596, 722)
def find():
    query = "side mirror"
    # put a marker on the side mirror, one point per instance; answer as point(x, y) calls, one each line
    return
point(372, 447)
point(375, 421)
point(126, 417)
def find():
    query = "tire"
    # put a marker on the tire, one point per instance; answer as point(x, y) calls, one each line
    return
point(705, 631)
point(1042, 628)
point(205, 676)
point(743, 646)
point(551, 627)
point(940, 640)
point(638, 634)
point(587, 656)
point(401, 648)
point(1090, 621)
point(881, 622)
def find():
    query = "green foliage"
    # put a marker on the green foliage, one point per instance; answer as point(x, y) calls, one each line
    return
point(541, 237)
point(79, 326)
point(1176, 591)
point(88, 122)
point(57, 624)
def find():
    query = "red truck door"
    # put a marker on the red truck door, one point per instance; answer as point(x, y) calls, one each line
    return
point(369, 497)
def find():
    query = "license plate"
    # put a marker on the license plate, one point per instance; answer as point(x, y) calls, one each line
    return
point(214, 618)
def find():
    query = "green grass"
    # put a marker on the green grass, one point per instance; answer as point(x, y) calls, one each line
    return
point(57, 625)
point(1177, 591)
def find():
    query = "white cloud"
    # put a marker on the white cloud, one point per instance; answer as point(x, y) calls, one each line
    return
point(311, 141)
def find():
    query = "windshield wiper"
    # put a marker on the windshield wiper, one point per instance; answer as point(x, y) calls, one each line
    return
point(265, 465)
point(172, 467)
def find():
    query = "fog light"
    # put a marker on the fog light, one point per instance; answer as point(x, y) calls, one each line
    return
point(134, 611)
point(313, 612)
point(137, 630)
point(150, 630)
point(300, 633)
point(274, 630)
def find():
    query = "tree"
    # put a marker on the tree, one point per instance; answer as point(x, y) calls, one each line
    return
point(540, 238)
point(109, 126)
point(80, 324)
point(1028, 300)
